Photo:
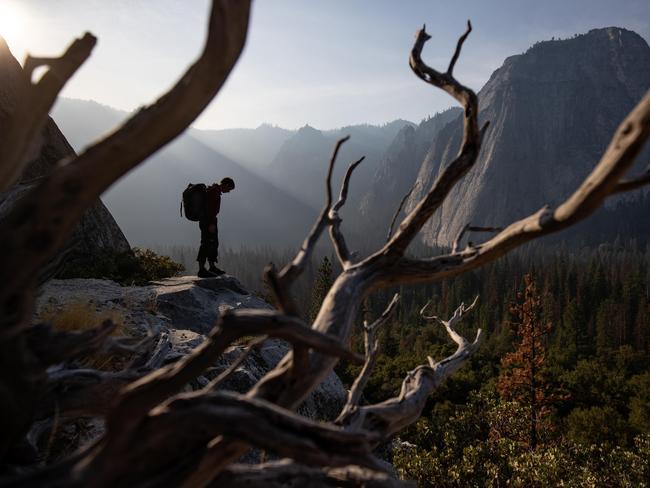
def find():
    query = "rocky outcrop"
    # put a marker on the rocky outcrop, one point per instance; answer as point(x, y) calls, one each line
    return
point(186, 308)
point(97, 231)
point(552, 112)
point(181, 310)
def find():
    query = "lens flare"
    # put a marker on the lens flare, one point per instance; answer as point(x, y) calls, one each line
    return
point(12, 26)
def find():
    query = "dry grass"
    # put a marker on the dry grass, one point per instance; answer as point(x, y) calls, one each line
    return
point(83, 315)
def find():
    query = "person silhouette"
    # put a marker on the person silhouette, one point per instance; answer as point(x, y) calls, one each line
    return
point(209, 248)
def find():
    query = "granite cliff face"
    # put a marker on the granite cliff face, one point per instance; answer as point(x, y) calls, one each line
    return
point(398, 169)
point(97, 231)
point(552, 112)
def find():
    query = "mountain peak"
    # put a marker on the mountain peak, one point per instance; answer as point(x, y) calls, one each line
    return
point(308, 128)
point(553, 110)
point(613, 37)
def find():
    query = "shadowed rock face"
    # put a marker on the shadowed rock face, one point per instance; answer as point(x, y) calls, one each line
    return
point(97, 232)
point(552, 112)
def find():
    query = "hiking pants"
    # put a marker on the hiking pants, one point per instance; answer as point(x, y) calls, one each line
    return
point(209, 249)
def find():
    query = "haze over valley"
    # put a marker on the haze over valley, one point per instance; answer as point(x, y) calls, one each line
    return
point(551, 109)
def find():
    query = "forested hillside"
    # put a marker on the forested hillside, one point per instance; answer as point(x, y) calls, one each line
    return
point(596, 423)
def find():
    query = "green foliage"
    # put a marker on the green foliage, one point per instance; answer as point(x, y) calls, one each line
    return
point(593, 425)
point(322, 284)
point(130, 268)
point(462, 453)
point(639, 387)
point(598, 353)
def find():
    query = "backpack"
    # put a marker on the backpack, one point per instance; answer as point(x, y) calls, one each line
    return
point(194, 201)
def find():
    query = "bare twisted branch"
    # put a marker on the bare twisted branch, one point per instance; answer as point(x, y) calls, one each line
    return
point(396, 413)
point(604, 181)
point(338, 240)
point(288, 474)
point(465, 159)
point(372, 348)
point(471, 228)
point(295, 268)
point(34, 103)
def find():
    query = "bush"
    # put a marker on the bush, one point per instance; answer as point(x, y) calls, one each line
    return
point(136, 267)
point(593, 425)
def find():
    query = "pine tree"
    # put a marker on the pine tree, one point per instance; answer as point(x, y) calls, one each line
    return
point(523, 378)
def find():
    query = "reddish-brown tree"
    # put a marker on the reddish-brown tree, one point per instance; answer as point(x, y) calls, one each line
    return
point(523, 378)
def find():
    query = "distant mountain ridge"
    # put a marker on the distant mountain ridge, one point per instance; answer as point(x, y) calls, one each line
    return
point(553, 110)
point(146, 202)
point(301, 164)
point(254, 148)
point(276, 198)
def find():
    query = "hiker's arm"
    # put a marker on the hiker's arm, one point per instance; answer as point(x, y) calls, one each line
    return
point(213, 202)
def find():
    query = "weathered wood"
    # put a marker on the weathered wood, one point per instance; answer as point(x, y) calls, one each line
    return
point(371, 346)
point(393, 415)
point(35, 100)
point(288, 474)
point(338, 240)
point(44, 219)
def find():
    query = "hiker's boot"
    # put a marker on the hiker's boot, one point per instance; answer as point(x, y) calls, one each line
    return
point(204, 273)
point(216, 271)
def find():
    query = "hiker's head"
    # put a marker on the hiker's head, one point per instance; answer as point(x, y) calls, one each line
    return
point(227, 184)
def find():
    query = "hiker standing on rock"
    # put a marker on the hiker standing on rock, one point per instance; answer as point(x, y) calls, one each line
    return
point(202, 203)
point(209, 250)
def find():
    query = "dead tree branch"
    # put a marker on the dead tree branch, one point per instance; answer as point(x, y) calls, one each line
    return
point(603, 182)
point(295, 268)
point(393, 415)
point(33, 106)
point(397, 212)
point(471, 228)
point(144, 394)
point(193, 419)
point(219, 380)
point(287, 474)
point(459, 45)
point(389, 267)
point(465, 159)
point(338, 240)
point(371, 346)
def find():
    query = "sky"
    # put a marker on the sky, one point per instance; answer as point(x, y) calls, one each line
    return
point(324, 63)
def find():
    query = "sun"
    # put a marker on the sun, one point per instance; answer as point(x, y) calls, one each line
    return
point(13, 27)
